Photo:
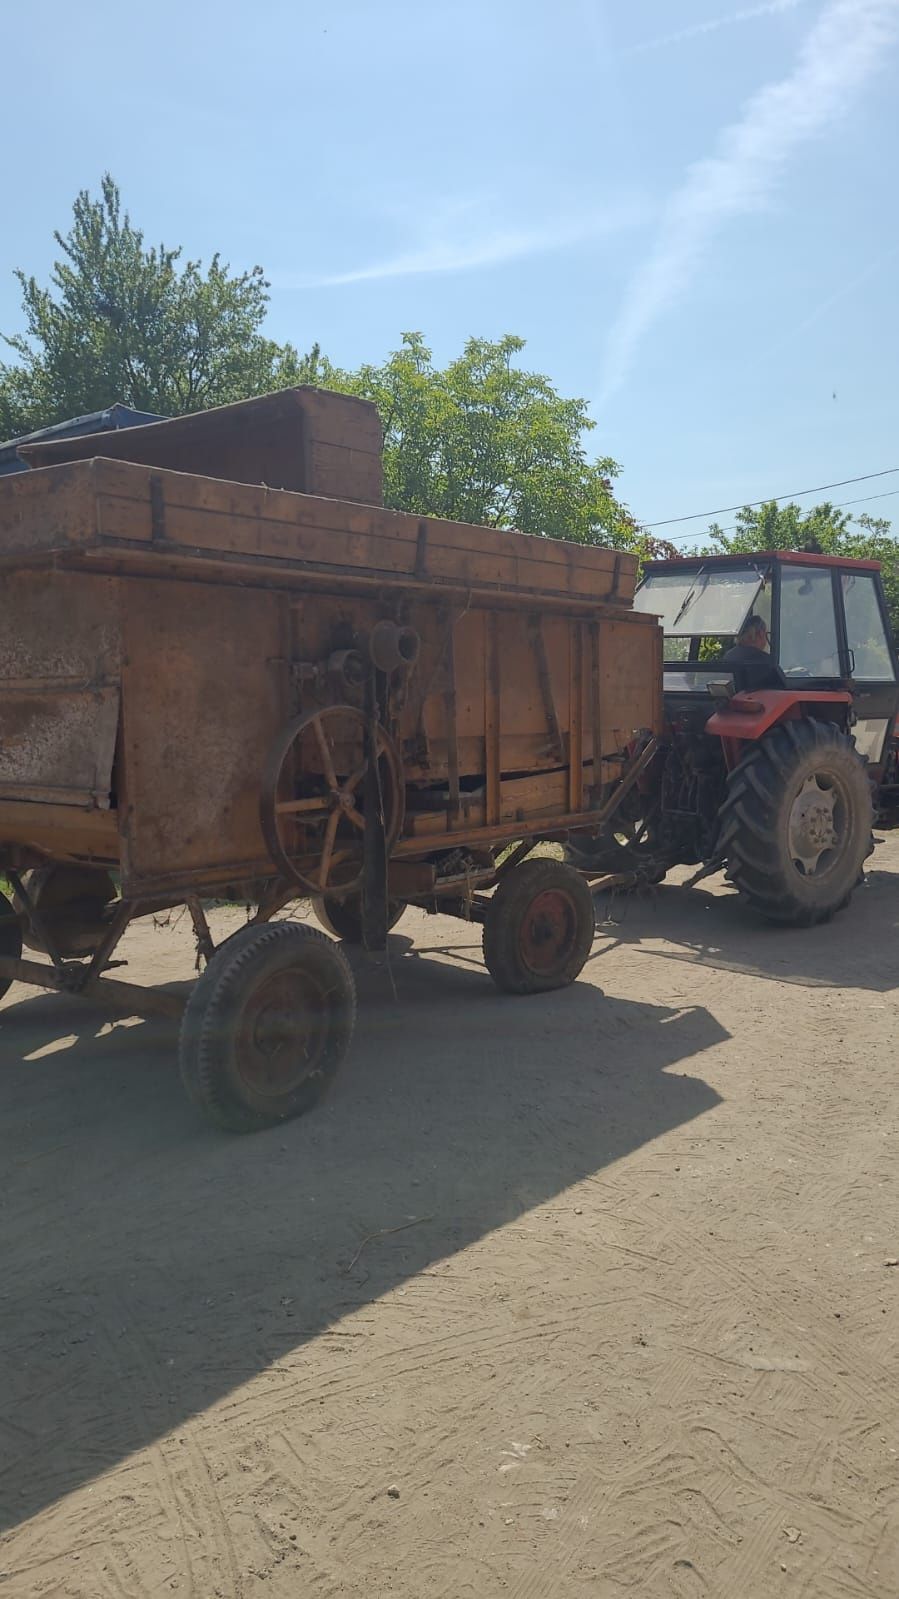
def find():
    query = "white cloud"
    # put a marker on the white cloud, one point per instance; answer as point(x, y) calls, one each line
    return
point(838, 55)
point(769, 8)
point(461, 237)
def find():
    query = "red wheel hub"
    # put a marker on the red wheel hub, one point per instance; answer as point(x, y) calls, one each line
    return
point(548, 932)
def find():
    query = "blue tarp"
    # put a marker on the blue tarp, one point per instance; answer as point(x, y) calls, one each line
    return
point(115, 416)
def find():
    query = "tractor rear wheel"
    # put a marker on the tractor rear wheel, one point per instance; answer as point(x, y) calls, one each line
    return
point(796, 824)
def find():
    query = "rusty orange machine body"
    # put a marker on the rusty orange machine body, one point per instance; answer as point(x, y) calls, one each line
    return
point(227, 671)
point(160, 627)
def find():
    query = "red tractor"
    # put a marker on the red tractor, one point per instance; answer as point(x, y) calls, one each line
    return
point(778, 784)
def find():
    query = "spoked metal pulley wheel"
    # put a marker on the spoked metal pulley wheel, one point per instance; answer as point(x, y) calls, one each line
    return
point(313, 804)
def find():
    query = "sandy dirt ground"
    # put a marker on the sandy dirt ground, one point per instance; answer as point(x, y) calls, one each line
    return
point(638, 1335)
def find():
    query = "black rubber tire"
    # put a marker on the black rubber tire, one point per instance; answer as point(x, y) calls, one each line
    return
point(10, 938)
point(195, 1009)
point(755, 822)
point(518, 932)
point(213, 1056)
point(343, 918)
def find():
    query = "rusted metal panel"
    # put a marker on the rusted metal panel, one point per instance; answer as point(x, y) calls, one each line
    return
point(58, 744)
point(203, 701)
point(60, 650)
point(59, 626)
point(300, 439)
point(229, 603)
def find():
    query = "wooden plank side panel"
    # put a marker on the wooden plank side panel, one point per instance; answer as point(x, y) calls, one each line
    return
point(628, 655)
point(202, 703)
point(525, 710)
point(52, 509)
point(492, 716)
point(343, 473)
point(576, 718)
point(233, 519)
point(343, 420)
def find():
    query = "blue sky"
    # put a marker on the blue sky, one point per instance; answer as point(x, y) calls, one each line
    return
point(687, 207)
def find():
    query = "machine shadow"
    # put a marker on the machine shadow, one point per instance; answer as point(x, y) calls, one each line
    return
point(857, 949)
point(152, 1265)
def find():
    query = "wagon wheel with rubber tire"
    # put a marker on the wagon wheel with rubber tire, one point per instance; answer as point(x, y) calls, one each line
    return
point(343, 917)
point(538, 928)
point(268, 1026)
point(312, 807)
point(10, 938)
point(194, 1010)
point(796, 823)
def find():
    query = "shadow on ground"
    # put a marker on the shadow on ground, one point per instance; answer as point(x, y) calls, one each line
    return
point(857, 949)
point(153, 1265)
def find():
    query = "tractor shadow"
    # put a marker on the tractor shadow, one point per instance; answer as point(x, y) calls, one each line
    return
point(153, 1265)
point(857, 949)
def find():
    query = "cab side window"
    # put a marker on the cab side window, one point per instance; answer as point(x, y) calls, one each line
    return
point(808, 630)
point(865, 630)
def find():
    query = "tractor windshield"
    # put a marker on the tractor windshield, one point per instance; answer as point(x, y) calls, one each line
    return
point(702, 603)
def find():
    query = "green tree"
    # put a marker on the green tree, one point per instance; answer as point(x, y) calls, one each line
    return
point(122, 320)
point(825, 527)
point(482, 440)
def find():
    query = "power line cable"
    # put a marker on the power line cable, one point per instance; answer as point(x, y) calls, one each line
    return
point(797, 494)
point(840, 505)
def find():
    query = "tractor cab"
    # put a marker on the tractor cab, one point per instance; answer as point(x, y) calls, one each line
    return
point(827, 628)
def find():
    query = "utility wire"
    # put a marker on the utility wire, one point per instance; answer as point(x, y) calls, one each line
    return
point(797, 494)
point(840, 505)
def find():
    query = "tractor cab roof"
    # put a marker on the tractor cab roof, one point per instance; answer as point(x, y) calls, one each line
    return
point(712, 560)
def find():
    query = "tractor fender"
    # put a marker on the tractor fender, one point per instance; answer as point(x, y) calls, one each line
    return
point(747, 717)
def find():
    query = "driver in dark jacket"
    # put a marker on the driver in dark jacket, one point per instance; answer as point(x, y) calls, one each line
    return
point(750, 661)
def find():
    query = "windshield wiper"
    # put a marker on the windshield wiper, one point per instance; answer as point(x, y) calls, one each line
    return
point(690, 593)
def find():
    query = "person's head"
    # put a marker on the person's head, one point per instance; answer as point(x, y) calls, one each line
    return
point(755, 632)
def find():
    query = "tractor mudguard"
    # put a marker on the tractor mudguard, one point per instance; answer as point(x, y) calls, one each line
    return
point(750, 715)
point(747, 717)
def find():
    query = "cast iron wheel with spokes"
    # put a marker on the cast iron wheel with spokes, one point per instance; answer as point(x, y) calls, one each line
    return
point(269, 1025)
point(539, 927)
point(10, 938)
point(312, 801)
point(796, 824)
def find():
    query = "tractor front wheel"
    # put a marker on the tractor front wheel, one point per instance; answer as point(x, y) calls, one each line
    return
point(796, 824)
